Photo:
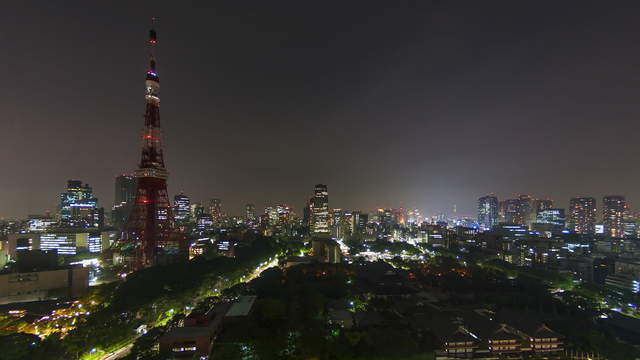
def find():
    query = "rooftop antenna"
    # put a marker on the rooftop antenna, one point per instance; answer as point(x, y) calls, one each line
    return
point(153, 40)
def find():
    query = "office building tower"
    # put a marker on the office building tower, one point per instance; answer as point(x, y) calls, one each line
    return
point(306, 214)
point(357, 219)
point(215, 210)
point(78, 206)
point(204, 222)
point(488, 211)
point(125, 189)
point(197, 210)
point(509, 211)
point(552, 216)
point(525, 208)
point(582, 215)
point(320, 211)
point(613, 209)
point(182, 208)
point(250, 212)
point(542, 204)
point(630, 226)
point(271, 213)
point(285, 212)
point(125, 194)
point(362, 220)
point(537, 206)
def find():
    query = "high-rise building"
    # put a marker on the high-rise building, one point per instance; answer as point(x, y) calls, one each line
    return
point(362, 220)
point(359, 221)
point(150, 229)
point(125, 194)
point(630, 226)
point(197, 210)
point(509, 210)
point(125, 190)
point(78, 206)
point(582, 215)
point(182, 207)
point(542, 204)
point(271, 215)
point(215, 209)
point(306, 214)
point(537, 206)
point(553, 216)
point(250, 212)
point(488, 211)
point(320, 211)
point(613, 209)
point(525, 208)
point(414, 217)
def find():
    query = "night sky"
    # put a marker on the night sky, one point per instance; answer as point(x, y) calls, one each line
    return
point(418, 104)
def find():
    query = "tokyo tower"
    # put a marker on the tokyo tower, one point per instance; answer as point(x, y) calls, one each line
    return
point(149, 236)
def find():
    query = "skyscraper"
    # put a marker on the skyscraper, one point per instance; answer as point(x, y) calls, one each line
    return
point(319, 205)
point(582, 215)
point(150, 230)
point(508, 211)
point(250, 212)
point(215, 209)
point(630, 226)
point(553, 216)
point(78, 206)
point(125, 194)
point(538, 206)
point(182, 207)
point(613, 209)
point(525, 207)
point(488, 211)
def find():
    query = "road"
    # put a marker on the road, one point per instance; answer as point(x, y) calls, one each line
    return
point(123, 351)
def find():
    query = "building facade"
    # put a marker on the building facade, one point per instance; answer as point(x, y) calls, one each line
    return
point(613, 210)
point(488, 211)
point(182, 208)
point(582, 215)
point(319, 205)
point(78, 206)
point(125, 194)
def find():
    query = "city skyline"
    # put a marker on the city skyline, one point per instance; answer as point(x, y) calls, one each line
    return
point(341, 181)
point(500, 91)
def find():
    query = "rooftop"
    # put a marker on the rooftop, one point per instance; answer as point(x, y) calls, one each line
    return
point(242, 307)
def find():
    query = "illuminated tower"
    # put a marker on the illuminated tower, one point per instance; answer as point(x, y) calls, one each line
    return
point(249, 212)
point(613, 209)
point(582, 215)
point(320, 211)
point(215, 210)
point(149, 231)
point(488, 211)
point(182, 208)
point(78, 206)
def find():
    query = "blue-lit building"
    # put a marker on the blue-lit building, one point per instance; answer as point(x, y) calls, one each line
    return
point(182, 207)
point(488, 212)
point(550, 221)
point(78, 206)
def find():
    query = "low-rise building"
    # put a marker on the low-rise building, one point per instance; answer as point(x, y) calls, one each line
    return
point(68, 282)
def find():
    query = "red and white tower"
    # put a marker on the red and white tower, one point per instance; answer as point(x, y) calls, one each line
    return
point(150, 233)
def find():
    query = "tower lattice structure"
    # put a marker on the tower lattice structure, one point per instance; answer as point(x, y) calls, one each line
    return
point(150, 232)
